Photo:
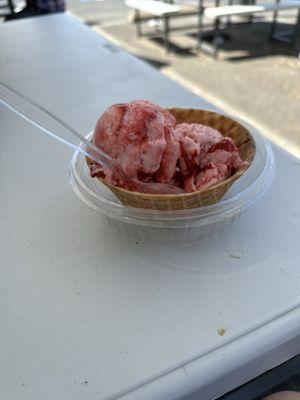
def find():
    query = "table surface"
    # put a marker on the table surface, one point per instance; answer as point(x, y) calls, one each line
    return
point(89, 314)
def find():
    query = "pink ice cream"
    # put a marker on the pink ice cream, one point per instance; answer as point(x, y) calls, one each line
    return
point(195, 140)
point(151, 147)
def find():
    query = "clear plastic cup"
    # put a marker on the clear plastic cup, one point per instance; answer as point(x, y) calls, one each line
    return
point(174, 227)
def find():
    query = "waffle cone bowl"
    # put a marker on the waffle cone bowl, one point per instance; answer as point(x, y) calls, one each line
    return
point(171, 202)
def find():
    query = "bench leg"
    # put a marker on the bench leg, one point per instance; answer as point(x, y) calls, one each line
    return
point(200, 24)
point(200, 29)
point(228, 19)
point(217, 21)
point(216, 38)
point(166, 34)
point(274, 23)
point(296, 39)
point(138, 23)
point(251, 17)
point(11, 7)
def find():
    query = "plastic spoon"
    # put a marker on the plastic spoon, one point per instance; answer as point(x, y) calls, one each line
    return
point(60, 130)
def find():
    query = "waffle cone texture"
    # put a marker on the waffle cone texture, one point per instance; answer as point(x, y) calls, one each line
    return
point(171, 202)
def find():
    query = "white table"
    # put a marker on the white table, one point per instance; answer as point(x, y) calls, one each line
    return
point(88, 314)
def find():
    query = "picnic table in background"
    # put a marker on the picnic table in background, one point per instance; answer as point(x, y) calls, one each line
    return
point(215, 14)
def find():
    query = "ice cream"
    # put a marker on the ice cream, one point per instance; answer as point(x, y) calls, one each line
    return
point(151, 147)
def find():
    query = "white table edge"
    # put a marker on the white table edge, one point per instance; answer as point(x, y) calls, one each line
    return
point(184, 379)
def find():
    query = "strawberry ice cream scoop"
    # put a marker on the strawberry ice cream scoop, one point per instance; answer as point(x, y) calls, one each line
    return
point(151, 147)
point(135, 135)
point(195, 140)
point(219, 162)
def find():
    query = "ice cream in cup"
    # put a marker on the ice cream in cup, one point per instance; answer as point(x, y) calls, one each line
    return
point(200, 152)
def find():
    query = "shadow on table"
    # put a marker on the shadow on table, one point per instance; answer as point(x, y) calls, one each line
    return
point(240, 44)
point(154, 62)
point(159, 63)
point(175, 48)
point(92, 22)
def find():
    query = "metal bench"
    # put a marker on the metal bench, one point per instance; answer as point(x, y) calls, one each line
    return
point(216, 13)
point(146, 10)
point(7, 8)
point(149, 9)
